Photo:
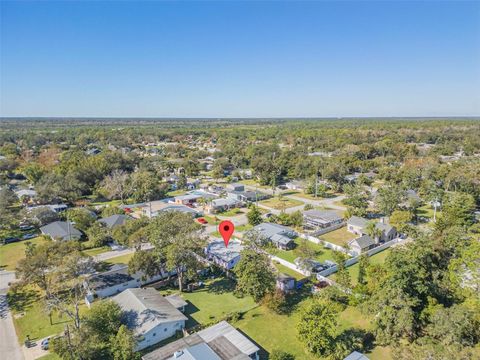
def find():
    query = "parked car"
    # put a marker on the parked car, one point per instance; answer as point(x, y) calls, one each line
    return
point(202, 221)
point(10, 240)
point(26, 227)
point(29, 236)
point(45, 344)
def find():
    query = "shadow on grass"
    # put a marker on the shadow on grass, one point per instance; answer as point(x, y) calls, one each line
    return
point(221, 286)
point(20, 299)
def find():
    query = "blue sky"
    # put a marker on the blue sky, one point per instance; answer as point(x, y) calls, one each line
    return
point(239, 59)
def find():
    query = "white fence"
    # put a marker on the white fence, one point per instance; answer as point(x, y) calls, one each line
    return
point(355, 259)
point(329, 229)
point(326, 244)
point(290, 265)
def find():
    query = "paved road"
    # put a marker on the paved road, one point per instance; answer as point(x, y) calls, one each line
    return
point(327, 202)
point(9, 346)
point(115, 253)
point(238, 220)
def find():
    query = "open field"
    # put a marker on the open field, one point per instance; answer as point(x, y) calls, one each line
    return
point(280, 204)
point(11, 254)
point(339, 237)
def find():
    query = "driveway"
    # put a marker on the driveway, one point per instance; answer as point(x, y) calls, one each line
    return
point(9, 346)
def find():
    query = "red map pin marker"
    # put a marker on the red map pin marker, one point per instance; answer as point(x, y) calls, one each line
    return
point(226, 228)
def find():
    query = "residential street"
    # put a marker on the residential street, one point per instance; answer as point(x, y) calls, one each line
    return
point(9, 346)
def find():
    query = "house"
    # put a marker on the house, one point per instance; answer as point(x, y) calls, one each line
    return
point(358, 225)
point(246, 196)
point(93, 151)
point(187, 199)
point(295, 185)
point(154, 208)
point(218, 342)
point(281, 236)
point(362, 244)
point(54, 207)
point(285, 282)
point(224, 256)
point(115, 280)
point(26, 194)
point(235, 187)
point(150, 316)
point(316, 219)
point(61, 230)
point(356, 356)
point(219, 205)
point(177, 301)
point(114, 220)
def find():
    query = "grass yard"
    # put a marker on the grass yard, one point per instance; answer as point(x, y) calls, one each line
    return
point(211, 220)
point(231, 212)
point(176, 193)
point(30, 316)
point(427, 211)
point(123, 259)
point(303, 195)
point(280, 204)
point(378, 258)
point(252, 182)
point(273, 331)
point(283, 269)
point(213, 302)
point(11, 254)
point(243, 228)
point(96, 251)
point(339, 237)
point(49, 356)
point(321, 253)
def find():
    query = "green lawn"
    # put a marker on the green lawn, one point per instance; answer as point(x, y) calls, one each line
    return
point(96, 251)
point(243, 228)
point(11, 254)
point(427, 211)
point(283, 269)
point(213, 302)
point(107, 203)
point(301, 194)
point(30, 316)
point(339, 237)
point(378, 258)
point(231, 212)
point(321, 253)
point(252, 182)
point(123, 259)
point(49, 356)
point(280, 204)
point(176, 193)
point(211, 220)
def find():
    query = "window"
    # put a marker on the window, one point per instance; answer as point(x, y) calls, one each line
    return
point(154, 334)
point(165, 329)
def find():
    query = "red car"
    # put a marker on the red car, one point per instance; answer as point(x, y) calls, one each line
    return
point(202, 221)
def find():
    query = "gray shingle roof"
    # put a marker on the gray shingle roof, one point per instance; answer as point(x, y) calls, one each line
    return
point(117, 274)
point(325, 216)
point(114, 220)
point(144, 309)
point(64, 230)
point(364, 241)
point(357, 221)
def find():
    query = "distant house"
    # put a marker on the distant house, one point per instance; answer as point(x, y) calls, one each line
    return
point(358, 225)
point(281, 236)
point(187, 199)
point(295, 185)
point(115, 280)
point(362, 244)
point(285, 282)
point(61, 230)
point(54, 207)
point(114, 220)
point(321, 218)
point(26, 194)
point(246, 196)
point(219, 205)
point(218, 342)
point(150, 316)
point(93, 151)
point(235, 187)
point(356, 356)
point(223, 256)
point(160, 206)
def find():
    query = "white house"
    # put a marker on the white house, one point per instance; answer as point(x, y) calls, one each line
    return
point(150, 316)
point(362, 244)
point(224, 256)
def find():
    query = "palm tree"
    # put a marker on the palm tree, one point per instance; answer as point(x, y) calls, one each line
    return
point(372, 230)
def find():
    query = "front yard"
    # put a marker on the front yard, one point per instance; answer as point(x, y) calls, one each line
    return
point(339, 237)
point(11, 254)
point(280, 204)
